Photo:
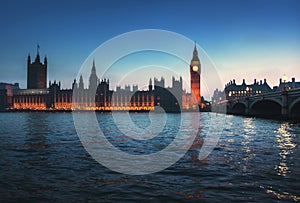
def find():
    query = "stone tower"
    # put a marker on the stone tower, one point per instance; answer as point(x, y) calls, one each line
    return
point(36, 72)
point(195, 74)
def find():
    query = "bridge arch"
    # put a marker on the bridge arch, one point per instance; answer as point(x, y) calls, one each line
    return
point(239, 108)
point(294, 109)
point(266, 108)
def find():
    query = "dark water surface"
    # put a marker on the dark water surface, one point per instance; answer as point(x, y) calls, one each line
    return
point(42, 160)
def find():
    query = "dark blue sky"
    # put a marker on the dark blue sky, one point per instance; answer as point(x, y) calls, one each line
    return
point(245, 39)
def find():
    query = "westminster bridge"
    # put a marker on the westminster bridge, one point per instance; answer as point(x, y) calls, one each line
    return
point(280, 104)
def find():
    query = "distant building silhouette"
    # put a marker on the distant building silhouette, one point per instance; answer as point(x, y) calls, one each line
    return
point(6, 94)
point(233, 91)
point(36, 72)
point(287, 85)
point(170, 98)
point(97, 95)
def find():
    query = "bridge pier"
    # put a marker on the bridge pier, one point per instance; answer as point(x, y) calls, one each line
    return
point(284, 106)
point(247, 109)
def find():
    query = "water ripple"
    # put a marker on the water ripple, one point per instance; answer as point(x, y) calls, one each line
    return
point(42, 159)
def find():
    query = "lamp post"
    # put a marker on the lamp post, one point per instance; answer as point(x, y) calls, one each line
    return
point(247, 91)
point(284, 108)
point(284, 78)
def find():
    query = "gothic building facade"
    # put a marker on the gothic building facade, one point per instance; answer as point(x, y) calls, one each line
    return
point(98, 96)
point(36, 72)
point(234, 91)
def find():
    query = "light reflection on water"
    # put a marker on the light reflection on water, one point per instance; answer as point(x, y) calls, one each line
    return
point(249, 131)
point(286, 146)
point(42, 159)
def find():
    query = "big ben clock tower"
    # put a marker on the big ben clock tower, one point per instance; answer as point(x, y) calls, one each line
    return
point(195, 71)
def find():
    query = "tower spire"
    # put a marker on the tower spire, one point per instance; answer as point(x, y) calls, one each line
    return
point(81, 85)
point(37, 58)
point(94, 67)
point(195, 53)
point(93, 78)
point(38, 48)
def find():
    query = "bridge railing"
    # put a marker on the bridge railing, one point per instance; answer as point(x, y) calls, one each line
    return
point(266, 95)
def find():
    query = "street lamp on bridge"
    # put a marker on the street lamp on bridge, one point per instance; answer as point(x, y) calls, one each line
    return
point(284, 78)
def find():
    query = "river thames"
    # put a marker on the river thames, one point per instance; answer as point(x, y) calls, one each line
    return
point(43, 160)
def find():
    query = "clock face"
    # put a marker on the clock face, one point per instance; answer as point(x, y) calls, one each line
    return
point(195, 68)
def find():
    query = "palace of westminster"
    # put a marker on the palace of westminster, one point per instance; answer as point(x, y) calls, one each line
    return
point(98, 96)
